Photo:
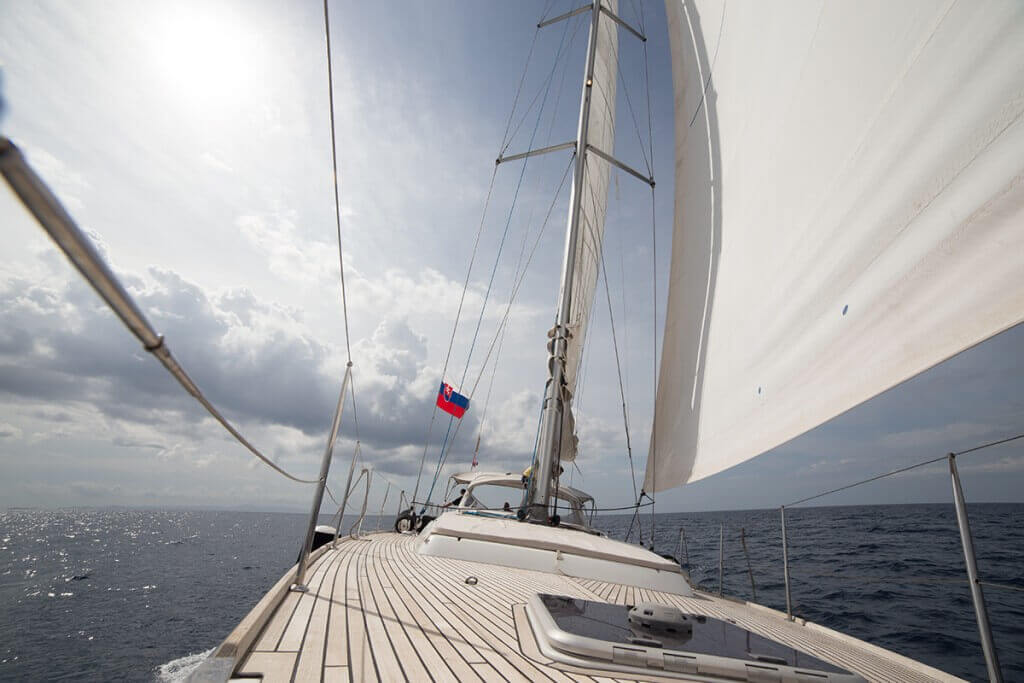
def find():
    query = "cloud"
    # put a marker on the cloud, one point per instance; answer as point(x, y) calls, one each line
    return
point(67, 356)
point(9, 431)
point(290, 255)
point(215, 162)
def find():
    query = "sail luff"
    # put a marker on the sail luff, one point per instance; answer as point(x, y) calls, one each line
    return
point(849, 212)
point(596, 179)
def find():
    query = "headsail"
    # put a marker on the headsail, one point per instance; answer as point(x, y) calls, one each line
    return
point(849, 201)
point(595, 204)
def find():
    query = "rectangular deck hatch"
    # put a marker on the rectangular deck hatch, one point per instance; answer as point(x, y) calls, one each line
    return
point(664, 638)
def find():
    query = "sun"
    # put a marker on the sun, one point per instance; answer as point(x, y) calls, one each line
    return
point(206, 54)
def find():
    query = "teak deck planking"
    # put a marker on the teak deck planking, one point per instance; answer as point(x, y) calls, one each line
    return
point(377, 610)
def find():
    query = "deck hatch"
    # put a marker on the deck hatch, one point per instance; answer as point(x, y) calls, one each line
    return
point(661, 637)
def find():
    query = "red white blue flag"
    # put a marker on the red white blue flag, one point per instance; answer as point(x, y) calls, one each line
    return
point(452, 402)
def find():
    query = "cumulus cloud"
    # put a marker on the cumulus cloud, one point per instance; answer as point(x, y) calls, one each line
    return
point(64, 352)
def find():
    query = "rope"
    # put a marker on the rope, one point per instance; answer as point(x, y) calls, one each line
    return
point(78, 248)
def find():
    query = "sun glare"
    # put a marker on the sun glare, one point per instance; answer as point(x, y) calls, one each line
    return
point(207, 56)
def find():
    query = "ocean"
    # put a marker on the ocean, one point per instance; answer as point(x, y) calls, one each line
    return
point(144, 595)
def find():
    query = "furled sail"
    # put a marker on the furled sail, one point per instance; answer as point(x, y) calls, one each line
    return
point(594, 206)
point(849, 211)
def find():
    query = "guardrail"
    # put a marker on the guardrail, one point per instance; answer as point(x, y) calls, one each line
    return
point(974, 580)
point(966, 540)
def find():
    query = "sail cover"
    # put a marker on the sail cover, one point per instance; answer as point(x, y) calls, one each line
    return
point(594, 206)
point(849, 211)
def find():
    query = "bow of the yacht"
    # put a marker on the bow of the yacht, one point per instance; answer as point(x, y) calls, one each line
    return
point(456, 602)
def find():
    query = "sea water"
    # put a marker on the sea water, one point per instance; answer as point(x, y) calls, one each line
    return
point(145, 595)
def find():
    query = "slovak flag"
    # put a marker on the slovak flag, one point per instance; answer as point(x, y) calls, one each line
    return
point(450, 401)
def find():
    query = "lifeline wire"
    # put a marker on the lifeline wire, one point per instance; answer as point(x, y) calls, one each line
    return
point(907, 468)
point(78, 248)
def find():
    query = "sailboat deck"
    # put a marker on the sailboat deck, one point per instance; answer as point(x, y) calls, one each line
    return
point(378, 610)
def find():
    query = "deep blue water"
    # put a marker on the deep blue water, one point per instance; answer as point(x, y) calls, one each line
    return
point(129, 594)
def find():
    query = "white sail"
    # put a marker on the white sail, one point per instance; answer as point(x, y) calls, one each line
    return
point(849, 211)
point(595, 203)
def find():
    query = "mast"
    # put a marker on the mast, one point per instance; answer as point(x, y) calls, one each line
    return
point(547, 461)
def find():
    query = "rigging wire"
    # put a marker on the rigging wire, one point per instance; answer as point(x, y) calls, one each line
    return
point(501, 343)
point(508, 307)
point(546, 85)
point(465, 287)
point(442, 455)
point(654, 268)
point(603, 271)
point(455, 327)
point(548, 6)
point(629, 102)
point(603, 274)
point(341, 251)
point(512, 208)
point(337, 201)
point(515, 100)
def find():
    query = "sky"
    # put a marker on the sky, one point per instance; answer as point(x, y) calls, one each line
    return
point(192, 143)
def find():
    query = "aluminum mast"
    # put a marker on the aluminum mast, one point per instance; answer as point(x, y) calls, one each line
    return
point(539, 493)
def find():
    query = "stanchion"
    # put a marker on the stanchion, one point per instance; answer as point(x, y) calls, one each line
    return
point(785, 564)
point(977, 596)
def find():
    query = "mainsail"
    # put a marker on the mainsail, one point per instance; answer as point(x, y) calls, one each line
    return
point(849, 211)
point(595, 203)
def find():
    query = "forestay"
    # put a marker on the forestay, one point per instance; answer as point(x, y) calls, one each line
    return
point(849, 211)
point(595, 204)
